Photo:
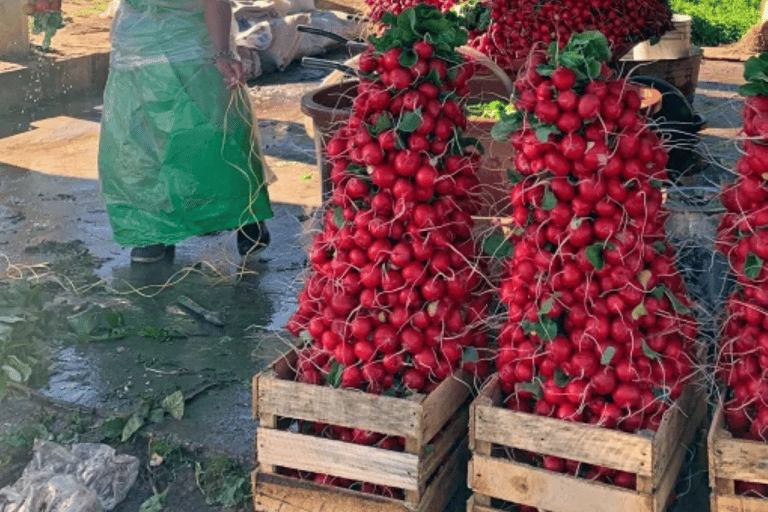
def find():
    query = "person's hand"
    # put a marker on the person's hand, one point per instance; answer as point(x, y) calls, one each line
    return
point(232, 70)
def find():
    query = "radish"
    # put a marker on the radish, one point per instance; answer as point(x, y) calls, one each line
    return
point(585, 274)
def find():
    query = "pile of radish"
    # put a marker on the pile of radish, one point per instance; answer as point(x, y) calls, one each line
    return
point(395, 299)
point(743, 238)
point(514, 27)
point(379, 7)
point(47, 19)
point(598, 327)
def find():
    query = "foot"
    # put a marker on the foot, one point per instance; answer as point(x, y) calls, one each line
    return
point(252, 239)
point(150, 253)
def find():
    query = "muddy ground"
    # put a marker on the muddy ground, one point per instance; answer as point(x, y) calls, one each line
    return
point(115, 339)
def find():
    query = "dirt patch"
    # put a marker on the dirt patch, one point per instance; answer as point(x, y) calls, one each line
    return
point(753, 42)
point(352, 6)
point(86, 31)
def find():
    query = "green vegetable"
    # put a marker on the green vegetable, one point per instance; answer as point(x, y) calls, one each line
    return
point(424, 21)
point(715, 22)
point(756, 75)
point(491, 110)
point(49, 23)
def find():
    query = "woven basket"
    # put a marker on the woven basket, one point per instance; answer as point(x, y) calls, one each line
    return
point(682, 73)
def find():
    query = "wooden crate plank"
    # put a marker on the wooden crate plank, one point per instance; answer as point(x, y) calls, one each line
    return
point(672, 427)
point(733, 503)
point(474, 506)
point(669, 475)
point(255, 397)
point(444, 485)
point(715, 431)
point(339, 407)
point(439, 405)
point(489, 395)
point(435, 452)
point(275, 493)
point(337, 458)
point(741, 459)
point(527, 485)
point(550, 436)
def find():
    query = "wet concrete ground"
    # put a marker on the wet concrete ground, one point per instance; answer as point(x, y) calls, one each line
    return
point(54, 228)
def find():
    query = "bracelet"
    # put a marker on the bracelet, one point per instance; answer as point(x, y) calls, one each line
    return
point(222, 53)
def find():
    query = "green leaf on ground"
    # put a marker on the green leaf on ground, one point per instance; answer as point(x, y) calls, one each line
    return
point(174, 404)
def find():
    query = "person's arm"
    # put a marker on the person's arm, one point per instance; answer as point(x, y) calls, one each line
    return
point(218, 18)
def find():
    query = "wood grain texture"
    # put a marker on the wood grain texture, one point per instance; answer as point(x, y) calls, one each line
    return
point(644, 455)
point(474, 506)
point(337, 458)
point(344, 407)
point(715, 431)
point(446, 481)
point(519, 483)
point(673, 425)
point(734, 459)
point(275, 493)
point(741, 459)
point(550, 436)
point(440, 405)
point(733, 503)
point(434, 453)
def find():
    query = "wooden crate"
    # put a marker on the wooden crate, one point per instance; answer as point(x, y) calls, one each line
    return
point(655, 459)
point(734, 459)
point(433, 464)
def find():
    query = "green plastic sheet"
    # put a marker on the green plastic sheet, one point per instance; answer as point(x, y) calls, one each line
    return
point(178, 155)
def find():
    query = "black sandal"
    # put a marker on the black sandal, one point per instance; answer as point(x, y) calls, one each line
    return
point(252, 239)
point(150, 253)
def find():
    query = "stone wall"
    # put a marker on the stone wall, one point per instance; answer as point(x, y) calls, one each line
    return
point(14, 38)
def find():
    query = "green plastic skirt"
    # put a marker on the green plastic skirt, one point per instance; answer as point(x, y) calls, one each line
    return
point(177, 155)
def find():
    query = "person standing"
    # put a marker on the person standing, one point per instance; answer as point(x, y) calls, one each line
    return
point(177, 152)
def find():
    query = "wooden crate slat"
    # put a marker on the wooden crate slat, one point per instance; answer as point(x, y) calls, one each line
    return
point(716, 429)
point(741, 459)
point(439, 406)
point(338, 406)
point(668, 476)
point(337, 458)
point(472, 506)
point(443, 486)
point(733, 503)
point(276, 493)
point(734, 459)
point(443, 445)
point(551, 436)
point(281, 368)
point(518, 483)
point(673, 425)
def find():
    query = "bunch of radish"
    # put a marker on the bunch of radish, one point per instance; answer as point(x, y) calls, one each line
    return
point(395, 299)
point(47, 19)
point(743, 237)
point(599, 328)
point(379, 7)
point(514, 27)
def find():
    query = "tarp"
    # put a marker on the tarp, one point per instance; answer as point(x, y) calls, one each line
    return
point(178, 155)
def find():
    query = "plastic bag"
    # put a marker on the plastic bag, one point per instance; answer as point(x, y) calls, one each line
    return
point(257, 36)
point(84, 478)
point(286, 40)
point(251, 62)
